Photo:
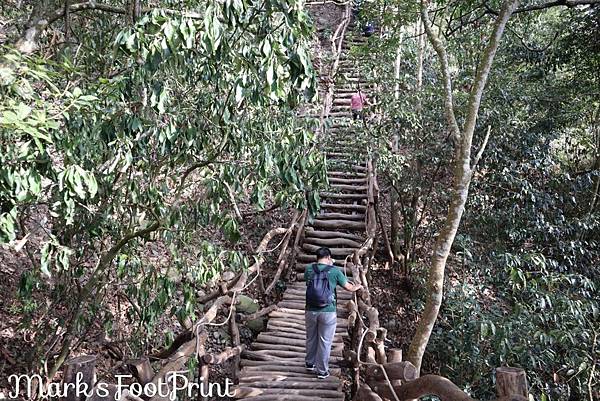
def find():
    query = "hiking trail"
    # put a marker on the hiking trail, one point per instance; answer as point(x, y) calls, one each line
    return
point(273, 368)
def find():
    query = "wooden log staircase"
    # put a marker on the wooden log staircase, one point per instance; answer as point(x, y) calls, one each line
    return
point(273, 368)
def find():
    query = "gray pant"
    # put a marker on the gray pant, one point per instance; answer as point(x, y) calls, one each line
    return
point(320, 329)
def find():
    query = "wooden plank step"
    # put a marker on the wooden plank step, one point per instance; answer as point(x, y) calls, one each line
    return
point(309, 377)
point(282, 356)
point(296, 322)
point(290, 330)
point(333, 224)
point(332, 242)
point(274, 336)
point(287, 330)
point(300, 301)
point(300, 306)
point(241, 392)
point(293, 384)
point(248, 372)
point(301, 291)
point(353, 188)
point(293, 365)
point(295, 397)
point(352, 174)
point(300, 277)
point(348, 181)
point(336, 252)
point(342, 216)
point(302, 261)
point(336, 349)
point(344, 206)
point(338, 155)
point(305, 258)
point(337, 262)
point(311, 232)
point(337, 195)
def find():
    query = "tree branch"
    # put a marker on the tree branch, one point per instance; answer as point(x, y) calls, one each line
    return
point(483, 70)
point(27, 44)
point(481, 149)
point(537, 7)
point(445, 70)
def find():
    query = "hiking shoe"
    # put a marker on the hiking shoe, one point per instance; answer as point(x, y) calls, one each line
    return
point(323, 375)
point(309, 367)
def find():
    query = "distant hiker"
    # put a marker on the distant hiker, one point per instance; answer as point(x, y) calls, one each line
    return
point(357, 102)
point(320, 315)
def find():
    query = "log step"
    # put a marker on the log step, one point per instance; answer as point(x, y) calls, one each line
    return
point(335, 252)
point(342, 216)
point(279, 338)
point(300, 277)
point(311, 232)
point(345, 174)
point(348, 181)
point(353, 188)
point(332, 242)
point(344, 207)
point(336, 224)
point(252, 377)
point(337, 195)
point(291, 383)
point(241, 392)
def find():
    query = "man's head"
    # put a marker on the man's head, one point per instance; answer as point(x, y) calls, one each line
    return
point(324, 256)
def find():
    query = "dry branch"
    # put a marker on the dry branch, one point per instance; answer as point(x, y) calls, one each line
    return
point(216, 359)
point(260, 313)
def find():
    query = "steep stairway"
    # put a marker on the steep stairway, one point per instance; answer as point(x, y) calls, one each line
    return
point(273, 368)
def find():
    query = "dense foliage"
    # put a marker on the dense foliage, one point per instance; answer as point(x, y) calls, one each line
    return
point(141, 133)
point(523, 284)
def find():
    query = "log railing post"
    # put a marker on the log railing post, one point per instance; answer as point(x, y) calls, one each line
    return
point(141, 369)
point(511, 382)
point(234, 331)
point(203, 372)
point(395, 355)
point(85, 367)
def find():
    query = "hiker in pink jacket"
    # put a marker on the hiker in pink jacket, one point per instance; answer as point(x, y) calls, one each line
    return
point(357, 102)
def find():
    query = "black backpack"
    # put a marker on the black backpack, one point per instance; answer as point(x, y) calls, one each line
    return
point(319, 293)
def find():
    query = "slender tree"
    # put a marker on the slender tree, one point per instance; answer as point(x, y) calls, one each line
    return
point(463, 167)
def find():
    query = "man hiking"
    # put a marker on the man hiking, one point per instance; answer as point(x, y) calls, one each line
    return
point(320, 315)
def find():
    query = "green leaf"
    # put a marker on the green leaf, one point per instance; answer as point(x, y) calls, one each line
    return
point(270, 75)
point(45, 259)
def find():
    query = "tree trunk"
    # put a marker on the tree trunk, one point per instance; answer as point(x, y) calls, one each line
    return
point(463, 170)
point(27, 43)
point(420, 58)
point(394, 203)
